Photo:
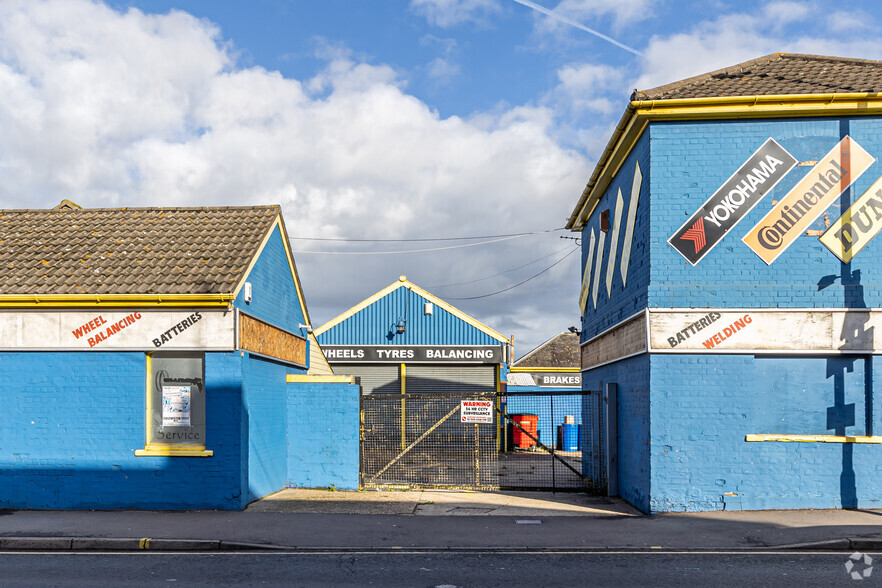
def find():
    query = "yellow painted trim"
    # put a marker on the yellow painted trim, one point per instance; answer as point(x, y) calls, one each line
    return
point(638, 114)
point(522, 370)
point(116, 300)
point(170, 452)
point(144, 543)
point(305, 379)
point(403, 283)
point(286, 244)
point(875, 439)
point(403, 407)
point(149, 404)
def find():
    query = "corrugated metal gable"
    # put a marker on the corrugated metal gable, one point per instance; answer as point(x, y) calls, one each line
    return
point(376, 324)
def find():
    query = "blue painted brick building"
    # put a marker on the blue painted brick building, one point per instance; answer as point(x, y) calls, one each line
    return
point(729, 289)
point(146, 359)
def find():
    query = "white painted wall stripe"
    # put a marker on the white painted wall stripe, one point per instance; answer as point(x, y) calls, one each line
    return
point(614, 245)
point(596, 286)
point(632, 218)
point(586, 276)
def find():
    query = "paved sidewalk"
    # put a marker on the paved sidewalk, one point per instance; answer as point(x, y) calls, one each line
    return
point(310, 519)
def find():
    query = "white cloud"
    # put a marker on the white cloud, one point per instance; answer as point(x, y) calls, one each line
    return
point(448, 13)
point(622, 13)
point(126, 109)
point(737, 37)
point(780, 14)
point(441, 70)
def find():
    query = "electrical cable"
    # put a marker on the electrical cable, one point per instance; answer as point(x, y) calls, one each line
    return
point(500, 273)
point(519, 283)
point(422, 239)
point(303, 251)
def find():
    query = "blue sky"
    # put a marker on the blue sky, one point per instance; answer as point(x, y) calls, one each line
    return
point(370, 120)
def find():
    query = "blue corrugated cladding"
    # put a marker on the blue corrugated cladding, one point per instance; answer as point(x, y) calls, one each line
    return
point(629, 297)
point(376, 325)
point(323, 434)
point(74, 420)
point(274, 295)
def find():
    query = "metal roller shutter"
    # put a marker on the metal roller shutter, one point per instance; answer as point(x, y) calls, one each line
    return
point(375, 379)
point(447, 379)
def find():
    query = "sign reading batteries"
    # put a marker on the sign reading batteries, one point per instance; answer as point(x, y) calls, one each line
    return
point(476, 411)
point(732, 201)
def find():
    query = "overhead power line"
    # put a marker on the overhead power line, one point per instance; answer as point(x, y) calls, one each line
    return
point(519, 283)
point(500, 273)
point(423, 239)
point(305, 251)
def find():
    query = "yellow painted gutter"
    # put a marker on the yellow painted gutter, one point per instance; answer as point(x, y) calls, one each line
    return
point(118, 300)
point(639, 113)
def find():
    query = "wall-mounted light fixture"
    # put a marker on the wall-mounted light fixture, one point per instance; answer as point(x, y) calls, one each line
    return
point(308, 328)
point(401, 326)
point(247, 293)
point(428, 308)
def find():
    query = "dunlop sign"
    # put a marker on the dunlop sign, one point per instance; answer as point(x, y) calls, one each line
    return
point(857, 225)
point(808, 199)
point(732, 201)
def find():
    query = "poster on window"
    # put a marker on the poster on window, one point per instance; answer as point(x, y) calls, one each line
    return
point(176, 406)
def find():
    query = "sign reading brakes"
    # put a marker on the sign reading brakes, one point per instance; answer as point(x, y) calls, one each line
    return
point(732, 201)
point(414, 353)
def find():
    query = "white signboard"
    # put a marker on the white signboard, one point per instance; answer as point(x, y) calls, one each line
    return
point(476, 411)
point(117, 330)
point(764, 331)
point(176, 406)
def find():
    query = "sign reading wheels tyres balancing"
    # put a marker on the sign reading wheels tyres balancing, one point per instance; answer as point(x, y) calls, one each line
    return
point(732, 201)
point(833, 174)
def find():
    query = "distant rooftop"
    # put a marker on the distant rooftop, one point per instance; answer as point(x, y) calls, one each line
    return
point(561, 351)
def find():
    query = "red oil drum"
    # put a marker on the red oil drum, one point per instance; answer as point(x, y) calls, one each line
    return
point(530, 424)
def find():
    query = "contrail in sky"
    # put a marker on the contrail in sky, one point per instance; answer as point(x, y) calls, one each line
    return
point(573, 23)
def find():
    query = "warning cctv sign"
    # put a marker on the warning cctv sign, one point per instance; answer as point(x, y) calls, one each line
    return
point(476, 411)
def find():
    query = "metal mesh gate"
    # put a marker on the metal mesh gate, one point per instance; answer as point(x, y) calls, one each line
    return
point(544, 441)
point(419, 440)
point(537, 440)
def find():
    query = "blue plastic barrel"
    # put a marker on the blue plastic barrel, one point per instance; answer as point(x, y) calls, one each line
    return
point(569, 437)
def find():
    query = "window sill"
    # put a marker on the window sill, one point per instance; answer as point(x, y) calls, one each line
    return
point(174, 452)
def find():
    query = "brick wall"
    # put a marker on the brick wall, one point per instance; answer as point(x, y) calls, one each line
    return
point(323, 431)
point(72, 422)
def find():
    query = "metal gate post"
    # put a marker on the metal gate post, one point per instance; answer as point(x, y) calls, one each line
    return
point(553, 444)
point(610, 398)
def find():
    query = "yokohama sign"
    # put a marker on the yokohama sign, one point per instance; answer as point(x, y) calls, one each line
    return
point(732, 201)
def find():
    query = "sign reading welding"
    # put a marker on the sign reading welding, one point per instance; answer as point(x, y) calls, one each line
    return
point(476, 411)
point(732, 201)
point(833, 174)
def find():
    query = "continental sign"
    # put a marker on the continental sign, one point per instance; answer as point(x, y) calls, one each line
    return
point(764, 331)
point(857, 225)
point(832, 175)
point(732, 201)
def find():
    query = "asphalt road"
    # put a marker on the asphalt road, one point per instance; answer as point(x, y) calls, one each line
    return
point(432, 569)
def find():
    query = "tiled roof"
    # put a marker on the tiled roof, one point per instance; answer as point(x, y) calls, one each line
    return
point(129, 250)
point(561, 351)
point(775, 74)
